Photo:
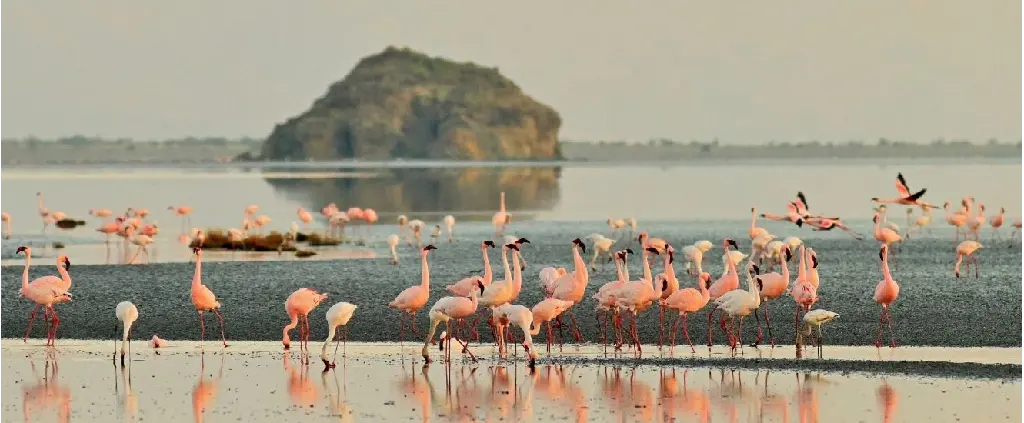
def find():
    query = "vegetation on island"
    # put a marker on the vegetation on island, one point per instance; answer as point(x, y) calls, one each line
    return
point(404, 104)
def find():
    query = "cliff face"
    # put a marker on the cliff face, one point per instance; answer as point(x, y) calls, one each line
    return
point(404, 104)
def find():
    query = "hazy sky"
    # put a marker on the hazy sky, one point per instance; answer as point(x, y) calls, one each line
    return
point(744, 71)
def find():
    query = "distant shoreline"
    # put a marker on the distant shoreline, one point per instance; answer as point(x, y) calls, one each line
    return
point(215, 151)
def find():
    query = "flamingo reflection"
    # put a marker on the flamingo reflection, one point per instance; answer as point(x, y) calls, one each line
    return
point(695, 402)
point(561, 389)
point(128, 404)
point(301, 391)
point(337, 397)
point(46, 393)
point(888, 399)
point(419, 389)
point(205, 390)
point(807, 397)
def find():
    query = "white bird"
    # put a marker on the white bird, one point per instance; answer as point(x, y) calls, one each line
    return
point(127, 313)
point(338, 315)
point(416, 228)
point(138, 239)
point(737, 257)
point(694, 255)
point(548, 276)
point(739, 303)
point(521, 317)
point(602, 245)
point(815, 318)
point(393, 241)
point(449, 224)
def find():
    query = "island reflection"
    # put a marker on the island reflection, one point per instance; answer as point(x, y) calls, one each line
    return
point(470, 193)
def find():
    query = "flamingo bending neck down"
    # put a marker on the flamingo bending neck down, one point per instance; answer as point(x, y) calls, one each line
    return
point(967, 249)
point(127, 314)
point(298, 305)
point(338, 315)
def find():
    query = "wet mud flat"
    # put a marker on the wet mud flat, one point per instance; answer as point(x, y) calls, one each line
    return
point(258, 382)
point(933, 309)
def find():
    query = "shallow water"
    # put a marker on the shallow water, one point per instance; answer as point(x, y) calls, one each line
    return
point(256, 382)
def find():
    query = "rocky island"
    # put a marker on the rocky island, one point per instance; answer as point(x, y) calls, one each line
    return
point(404, 104)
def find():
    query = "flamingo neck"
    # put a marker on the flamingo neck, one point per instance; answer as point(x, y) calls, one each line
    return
point(785, 271)
point(425, 277)
point(517, 272)
point(647, 265)
point(504, 262)
point(732, 265)
point(801, 269)
point(64, 276)
point(670, 270)
point(753, 219)
point(704, 293)
point(197, 278)
point(618, 271)
point(580, 267)
point(488, 274)
point(885, 268)
point(502, 202)
point(625, 271)
point(291, 325)
point(24, 274)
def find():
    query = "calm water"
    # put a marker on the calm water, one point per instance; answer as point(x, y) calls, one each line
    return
point(718, 191)
point(255, 384)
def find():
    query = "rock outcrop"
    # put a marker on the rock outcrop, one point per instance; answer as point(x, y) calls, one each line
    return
point(404, 104)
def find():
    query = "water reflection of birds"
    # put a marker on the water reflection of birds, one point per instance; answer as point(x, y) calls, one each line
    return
point(642, 399)
point(337, 397)
point(773, 403)
point(561, 389)
point(807, 396)
point(128, 403)
point(459, 403)
point(695, 401)
point(419, 389)
point(732, 394)
point(205, 390)
point(47, 392)
point(301, 390)
point(888, 399)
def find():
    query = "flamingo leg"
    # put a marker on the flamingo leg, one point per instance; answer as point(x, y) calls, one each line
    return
point(202, 327)
point(56, 322)
point(888, 319)
point(768, 322)
point(550, 335)
point(661, 325)
point(686, 332)
point(711, 316)
point(220, 319)
point(32, 318)
point(878, 335)
point(675, 328)
point(401, 326)
point(976, 262)
point(760, 334)
point(412, 323)
point(575, 326)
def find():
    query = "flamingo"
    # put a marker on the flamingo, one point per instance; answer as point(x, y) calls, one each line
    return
point(730, 280)
point(995, 222)
point(816, 318)
point(101, 213)
point(464, 287)
point(922, 221)
point(157, 342)
point(804, 293)
point(403, 221)
point(754, 230)
point(885, 293)
point(298, 305)
point(738, 304)
point(447, 309)
point(905, 197)
point(393, 242)
point(1016, 228)
point(354, 214)
point(370, 217)
point(667, 279)
point(572, 286)
point(967, 248)
point(975, 223)
point(886, 236)
point(6, 219)
point(110, 228)
point(413, 298)
point(184, 212)
point(792, 215)
point(44, 212)
point(616, 225)
point(521, 317)
point(501, 292)
point(601, 245)
point(140, 240)
point(500, 219)
point(812, 269)
point(686, 301)
point(830, 224)
point(694, 255)
point(636, 296)
point(773, 285)
point(646, 241)
point(127, 313)
point(45, 292)
point(416, 229)
point(204, 300)
point(338, 315)
point(956, 220)
point(449, 225)
point(605, 301)
point(305, 216)
point(544, 312)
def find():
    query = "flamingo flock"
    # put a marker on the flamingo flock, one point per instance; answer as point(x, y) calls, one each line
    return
point(618, 302)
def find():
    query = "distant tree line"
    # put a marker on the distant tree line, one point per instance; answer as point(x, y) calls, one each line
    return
point(87, 141)
point(714, 143)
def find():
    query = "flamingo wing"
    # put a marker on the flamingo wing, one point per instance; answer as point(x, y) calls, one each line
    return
point(917, 195)
point(803, 200)
point(901, 186)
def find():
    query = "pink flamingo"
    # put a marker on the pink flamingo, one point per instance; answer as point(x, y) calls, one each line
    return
point(465, 286)
point(606, 303)
point(956, 220)
point(967, 248)
point(905, 197)
point(101, 213)
point(445, 310)
point(354, 214)
point(370, 216)
point(727, 282)
point(637, 296)
point(6, 218)
point(546, 311)
point(886, 236)
point(773, 285)
point(754, 230)
point(138, 239)
point(299, 305)
point(819, 224)
point(804, 292)
point(305, 216)
point(142, 213)
point(670, 284)
point(204, 300)
point(572, 286)
point(792, 215)
point(503, 291)
point(184, 213)
point(975, 223)
point(996, 221)
point(646, 241)
point(885, 293)
point(110, 228)
point(44, 212)
point(157, 342)
point(1016, 228)
point(45, 292)
point(686, 301)
point(413, 298)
